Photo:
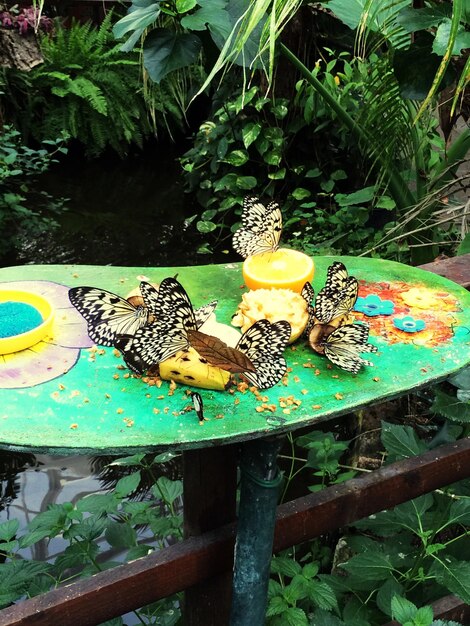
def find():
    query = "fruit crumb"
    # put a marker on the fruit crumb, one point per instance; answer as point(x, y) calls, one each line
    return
point(116, 352)
point(316, 406)
point(376, 379)
point(61, 386)
point(219, 416)
point(156, 411)
point(286, 411)
point(73, 426)
point(116, 376)
point(339, 396)
point(304, 391)
point(119, 411)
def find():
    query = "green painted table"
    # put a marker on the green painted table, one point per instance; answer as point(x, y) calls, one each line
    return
point(64, 396)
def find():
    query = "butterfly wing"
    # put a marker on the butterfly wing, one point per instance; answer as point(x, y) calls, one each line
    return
point(347, 298)
point(336, 276)
point(308, 294)
point(107, 314)
point(203, 313)
point(343, 345)
point(261, 228)
point(264, 344)
point(150, 297)
point(168, 334)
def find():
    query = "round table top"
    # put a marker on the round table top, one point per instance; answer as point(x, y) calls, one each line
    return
point(65, 396)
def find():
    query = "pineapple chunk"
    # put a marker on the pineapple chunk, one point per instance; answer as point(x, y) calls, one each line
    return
point(273, 305)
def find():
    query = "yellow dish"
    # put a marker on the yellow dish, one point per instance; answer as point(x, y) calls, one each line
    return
point(15, 343)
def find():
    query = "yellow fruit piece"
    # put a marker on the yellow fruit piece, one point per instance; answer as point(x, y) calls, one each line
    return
point(283, 269)
point(273, 305)
point(188, 368)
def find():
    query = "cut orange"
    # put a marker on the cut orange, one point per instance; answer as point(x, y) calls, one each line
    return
point(283, 269)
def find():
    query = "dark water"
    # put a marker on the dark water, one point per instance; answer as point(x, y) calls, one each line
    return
point(128, 212)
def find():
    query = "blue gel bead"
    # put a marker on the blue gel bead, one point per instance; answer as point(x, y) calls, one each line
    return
point(17, 318)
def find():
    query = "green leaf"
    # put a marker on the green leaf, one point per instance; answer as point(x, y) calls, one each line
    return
point(138, 552)
point(166, 51)
point(164, 457)
point(98, 503)
point(322, 595)
point(401, 441)
point(237, 158)
point(168, 489)
point(127, 484)
point(441, 39)
point(205, 226)
point(212, 15)
point(413, 20)
point(136, 21)
point(294, 617)
point(454, 575)
point(183, 6)
point(8, 530)
point(276, 606)
point(279, 175)
point(424, 616)
point(450, 407)
point(300, 193)
point(120, 535)
point(402, 609)
point(250, 133)
point(464, 245)
point(358, 197)
point(246, 182)
point(390, 589)
point(285, 566)
point(369, 566)
point(461, 380)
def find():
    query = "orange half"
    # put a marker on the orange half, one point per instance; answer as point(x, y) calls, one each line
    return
point(283, 269)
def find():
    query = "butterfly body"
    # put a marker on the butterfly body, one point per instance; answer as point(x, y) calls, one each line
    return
point(261, 228)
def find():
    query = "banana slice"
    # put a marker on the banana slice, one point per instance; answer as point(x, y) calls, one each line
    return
point(188, 368)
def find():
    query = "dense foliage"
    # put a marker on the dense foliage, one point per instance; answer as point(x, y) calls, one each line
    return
point(25, 209)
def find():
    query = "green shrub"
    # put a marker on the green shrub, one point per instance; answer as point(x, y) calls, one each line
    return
point(25, 210)
point(88, 88)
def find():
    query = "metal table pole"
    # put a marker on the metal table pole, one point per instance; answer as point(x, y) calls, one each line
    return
point(259, 488)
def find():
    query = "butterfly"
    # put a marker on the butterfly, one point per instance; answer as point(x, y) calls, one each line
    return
point(308, 294)
point(168, 333)
point(261, 228)
point(108, 315)
point(198, 406)
point(338, 296)
point(263, 343)
point(343, 345)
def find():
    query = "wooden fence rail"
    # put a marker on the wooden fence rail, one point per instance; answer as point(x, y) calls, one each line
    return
point(129, 586)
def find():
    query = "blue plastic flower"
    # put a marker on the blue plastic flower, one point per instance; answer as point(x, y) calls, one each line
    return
point(373, 305)
point(409, 324)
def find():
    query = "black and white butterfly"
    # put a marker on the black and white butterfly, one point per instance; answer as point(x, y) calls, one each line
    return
point(308, 294)
point(344, 345)
point(329, 331)
point(264, 344)
point(108, 315)
point(168, 333)
point(261, 228)
point(338, 296)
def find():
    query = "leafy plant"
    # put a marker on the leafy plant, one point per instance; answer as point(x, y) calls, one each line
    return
point(87, 87)
point(113, 519)
point(25, 210)
point(271, 147)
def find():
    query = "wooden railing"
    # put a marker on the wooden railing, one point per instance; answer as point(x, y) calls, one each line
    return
point(132, 585)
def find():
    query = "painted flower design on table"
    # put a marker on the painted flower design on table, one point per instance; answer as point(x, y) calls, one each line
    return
point(373, 305)
point(409, 324)
point(55, 355)
point(403, 313)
